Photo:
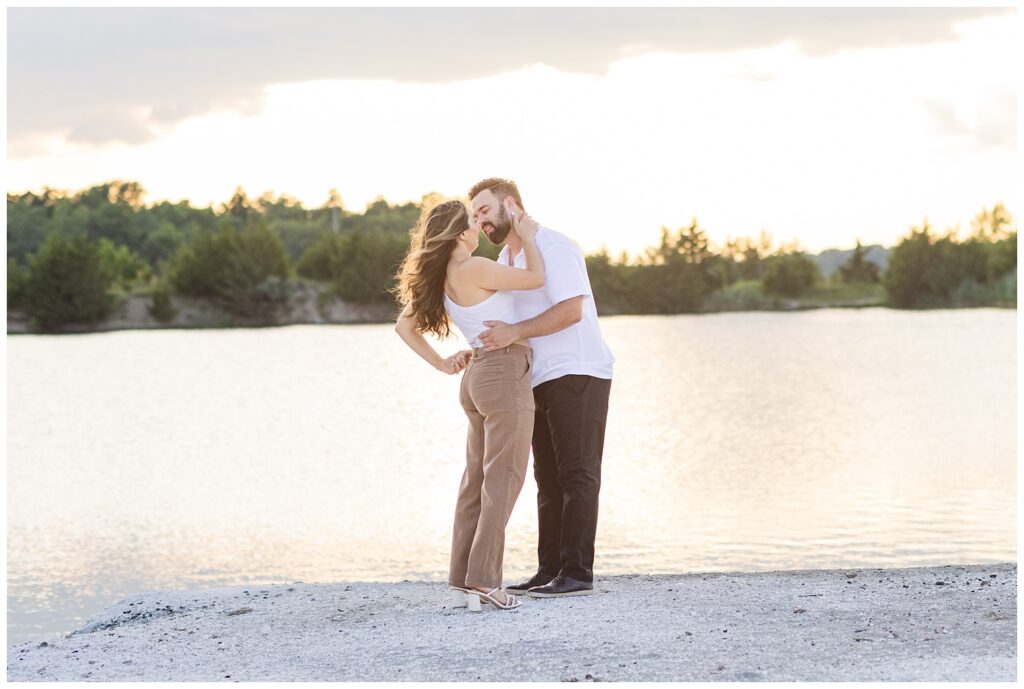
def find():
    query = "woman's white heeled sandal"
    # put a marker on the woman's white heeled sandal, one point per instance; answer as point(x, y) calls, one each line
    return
point(458, 598)
point(510, 602)
point(466, 598)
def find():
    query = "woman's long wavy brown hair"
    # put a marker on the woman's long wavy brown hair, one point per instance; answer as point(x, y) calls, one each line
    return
point(422, 274)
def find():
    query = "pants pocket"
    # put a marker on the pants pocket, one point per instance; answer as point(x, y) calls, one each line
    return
point(527, 368)
point(524, 389)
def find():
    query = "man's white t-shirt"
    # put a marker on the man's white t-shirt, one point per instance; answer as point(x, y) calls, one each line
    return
point(578, 349)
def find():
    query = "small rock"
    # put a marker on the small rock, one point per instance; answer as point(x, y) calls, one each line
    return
point(239, 611)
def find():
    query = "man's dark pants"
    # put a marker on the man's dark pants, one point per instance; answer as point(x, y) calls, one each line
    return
point(568, 439)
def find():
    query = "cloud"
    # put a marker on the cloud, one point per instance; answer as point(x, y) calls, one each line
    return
point(997, 122)
point(991, 124)
point(106, 75)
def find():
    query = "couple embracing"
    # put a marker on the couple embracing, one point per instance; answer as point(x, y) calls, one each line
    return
point(539, 375)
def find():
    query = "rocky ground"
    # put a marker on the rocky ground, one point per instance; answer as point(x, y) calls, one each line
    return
point(954, 623)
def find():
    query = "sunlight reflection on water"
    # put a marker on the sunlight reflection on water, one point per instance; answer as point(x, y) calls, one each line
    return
point(747, 441)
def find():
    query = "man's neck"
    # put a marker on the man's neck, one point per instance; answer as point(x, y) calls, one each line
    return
point(514, 244)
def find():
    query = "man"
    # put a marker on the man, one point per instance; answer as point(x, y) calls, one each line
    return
point(571, 377)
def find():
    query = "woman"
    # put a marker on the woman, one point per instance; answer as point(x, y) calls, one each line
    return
point(441, 282)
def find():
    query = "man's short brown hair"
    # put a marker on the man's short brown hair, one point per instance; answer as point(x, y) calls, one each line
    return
point(502, 188)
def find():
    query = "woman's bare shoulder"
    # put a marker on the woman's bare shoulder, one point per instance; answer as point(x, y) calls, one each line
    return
point(474, 263)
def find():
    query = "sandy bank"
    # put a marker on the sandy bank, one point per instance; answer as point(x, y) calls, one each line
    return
point(936, 623)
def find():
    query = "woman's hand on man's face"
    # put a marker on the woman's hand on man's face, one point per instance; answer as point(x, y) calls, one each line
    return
point(525, 226)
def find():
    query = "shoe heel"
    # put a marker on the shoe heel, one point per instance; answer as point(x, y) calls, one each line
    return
point(473, 602)
point(457, 600)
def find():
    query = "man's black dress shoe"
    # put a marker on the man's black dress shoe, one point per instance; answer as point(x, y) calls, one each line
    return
point(562, 586)
point(537, 579)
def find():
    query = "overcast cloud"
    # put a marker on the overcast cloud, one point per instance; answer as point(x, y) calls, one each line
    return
point(109, 75)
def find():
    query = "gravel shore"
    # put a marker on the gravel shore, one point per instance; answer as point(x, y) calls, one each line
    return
point(953, 623)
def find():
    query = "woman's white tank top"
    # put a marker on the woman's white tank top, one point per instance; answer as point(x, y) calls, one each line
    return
point(470, 319)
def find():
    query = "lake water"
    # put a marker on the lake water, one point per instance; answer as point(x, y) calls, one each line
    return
point(741, 441)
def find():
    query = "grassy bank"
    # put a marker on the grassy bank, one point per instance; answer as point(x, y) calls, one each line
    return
point(749, 295)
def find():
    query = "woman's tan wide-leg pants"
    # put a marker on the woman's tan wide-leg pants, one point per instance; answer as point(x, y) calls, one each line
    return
point(498, 399)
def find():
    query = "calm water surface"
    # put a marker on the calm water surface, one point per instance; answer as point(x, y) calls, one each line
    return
point(748, 441)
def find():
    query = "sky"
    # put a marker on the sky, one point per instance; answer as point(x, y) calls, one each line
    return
point(818, 125)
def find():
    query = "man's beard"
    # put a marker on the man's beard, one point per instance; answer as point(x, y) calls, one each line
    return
point(502, 226)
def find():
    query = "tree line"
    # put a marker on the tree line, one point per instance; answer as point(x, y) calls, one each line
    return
point(70, 256)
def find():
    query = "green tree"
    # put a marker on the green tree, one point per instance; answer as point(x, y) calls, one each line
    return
point(953, 262)
point(109, 211)
point(17, 282)
point(747, 257)
point(789, 274)
point(323, 258)
point(485, 248)
point(1002, 257)
point(332, 211)
point(992, 225)
point(609, 282)
point(296, 226)
point(123, 265)
point(67, 284)
point(27, 218)
point(858, 269)
point(166, 226)
point(371, 261)
point(676, 274)
point(360, 265)
point(906, 278)
point(160, 306)
point(997, 230)
point(162, 242)
point(238, 209)
point(131, 194)
point(692, 244)
point(381, 217)
point(241, 269)
point(666, 289)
